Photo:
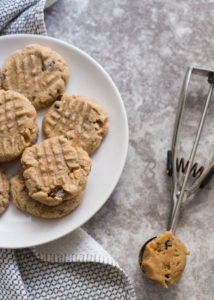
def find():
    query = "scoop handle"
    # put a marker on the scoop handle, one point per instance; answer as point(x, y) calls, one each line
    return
point(182, 194)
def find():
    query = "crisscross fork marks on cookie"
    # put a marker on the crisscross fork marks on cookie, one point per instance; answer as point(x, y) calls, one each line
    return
point(37, 72)
point(18, 127)
point(51, 163)
point(55, 171)
point(81, 118)
point(12, 114)
point(66, 110)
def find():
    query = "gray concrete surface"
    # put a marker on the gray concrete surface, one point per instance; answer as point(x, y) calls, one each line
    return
point(146, 46)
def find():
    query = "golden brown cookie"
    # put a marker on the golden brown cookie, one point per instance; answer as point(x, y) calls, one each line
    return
point(18, 127)
point(4, 191)
point(22, 200)
point(82, 119)
point(55, 171)
point(37, 72)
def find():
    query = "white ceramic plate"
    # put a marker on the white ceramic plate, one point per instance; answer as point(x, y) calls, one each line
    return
point(17, 229)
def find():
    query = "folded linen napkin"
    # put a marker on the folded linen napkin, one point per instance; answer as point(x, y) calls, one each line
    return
point(74, 267)
point(22, 16)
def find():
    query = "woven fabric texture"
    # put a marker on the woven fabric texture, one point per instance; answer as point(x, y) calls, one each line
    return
point(22, 16)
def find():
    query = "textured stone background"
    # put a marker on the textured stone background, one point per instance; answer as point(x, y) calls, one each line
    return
point(146, 46)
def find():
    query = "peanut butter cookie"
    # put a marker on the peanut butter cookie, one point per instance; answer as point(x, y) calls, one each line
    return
point(18, 127)
point(55, 171)
point(22, 200)
point(82, 119)
point(4, 191)
point(37, 72)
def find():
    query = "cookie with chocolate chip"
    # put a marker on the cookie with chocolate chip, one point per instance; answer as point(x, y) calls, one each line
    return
point(37, 72)
point(18, 126)
point(4, 191)
point(55, 171)
point(81, 118)
point(24, 202)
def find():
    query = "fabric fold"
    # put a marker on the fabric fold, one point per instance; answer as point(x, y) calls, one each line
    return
point(22, 16)
point(75, 247)
point(74, 267)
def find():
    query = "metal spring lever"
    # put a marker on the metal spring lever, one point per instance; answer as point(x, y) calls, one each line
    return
point(180, 191)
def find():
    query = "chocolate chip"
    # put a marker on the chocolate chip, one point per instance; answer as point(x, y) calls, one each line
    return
point(57, 192)
point(168, 243)
point(43, 66)
point(25, 189)
point(86, 123)
point(59, 97)
point(2, 77)
point(167, 275)
point(56, 106)
point(99, 122)
point(60, 193)
point(48, 65)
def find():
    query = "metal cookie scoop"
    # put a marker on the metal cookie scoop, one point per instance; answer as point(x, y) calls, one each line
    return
point(180, 171)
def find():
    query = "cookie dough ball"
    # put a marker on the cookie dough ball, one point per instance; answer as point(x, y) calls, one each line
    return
point(4, 191)
point(22, 200)
point(82, 119)
point(55, 171)
point(18, 126)
point(37, 72)
point(164, 259)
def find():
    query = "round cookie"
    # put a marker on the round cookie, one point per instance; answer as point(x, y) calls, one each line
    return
point(22, 200)
point(55, 171)
point(4, 191)
point(37, 72)
point(81, 118)
point(18, 127)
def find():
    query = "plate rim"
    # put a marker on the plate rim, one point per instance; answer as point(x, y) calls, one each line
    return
point(126, 128)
